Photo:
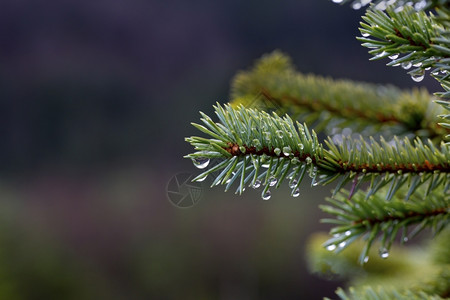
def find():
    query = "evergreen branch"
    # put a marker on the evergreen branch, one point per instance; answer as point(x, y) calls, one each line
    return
point(398, 4)
point(397, 156)
point(374, 217)
point(407, 270)
point(421, 37)
point(396, 163)
point(257, 147)
point(424, 38)
point(381, 293)
point(274, 84)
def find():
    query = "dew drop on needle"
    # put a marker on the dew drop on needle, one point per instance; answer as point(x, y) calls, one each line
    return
point(201, 162)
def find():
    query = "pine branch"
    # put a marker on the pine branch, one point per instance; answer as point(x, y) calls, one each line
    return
point(445, 102)
point(422, 38)
point(273, 84)
point(381, 293)
point(389, 163)
point(398, 4)
point(415, 270)
point(256, 148)
point(435, 287)
point(374, 217)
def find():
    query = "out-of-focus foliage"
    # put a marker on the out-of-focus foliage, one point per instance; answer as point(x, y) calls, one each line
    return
point(408, 271)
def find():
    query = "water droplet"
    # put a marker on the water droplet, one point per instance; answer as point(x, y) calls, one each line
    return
point(308, 160)
point(384, 253)
point(399, 9)
point(229, 179)
point(277, 151)
point(266, 195)
point(380, 55)
point(356, 5)
point(366, 259)
point(301, 146)
point(406, 65)
point(405, 239)
point(393, 56)
point(331, 247)
point(266, 166)
point(313, 175)
point(296, 193)
point(381, 5)
point(427, 68)
point(267, 135)
point(417, 64)
point(272, 181)
point(348, 232)
point(295, 160)
point(342, 244)
point(256, 143)
point(201, 162)
point(202, 178)
point(287, 151)
point(417, 77)
point(337, 1)
point(293, 183)
point(256, 184)
point(420, 5)
point(347, 132)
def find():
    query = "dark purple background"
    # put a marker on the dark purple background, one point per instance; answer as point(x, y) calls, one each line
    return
point(96, 98)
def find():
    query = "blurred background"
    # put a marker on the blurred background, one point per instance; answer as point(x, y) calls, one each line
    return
point(96, 98)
